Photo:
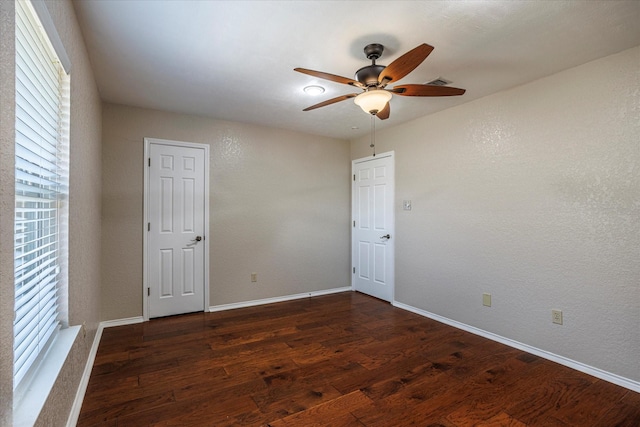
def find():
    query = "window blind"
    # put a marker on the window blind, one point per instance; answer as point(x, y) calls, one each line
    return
point(40, 189)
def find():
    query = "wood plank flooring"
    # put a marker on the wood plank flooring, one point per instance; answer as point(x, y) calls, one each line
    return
point(339, 360)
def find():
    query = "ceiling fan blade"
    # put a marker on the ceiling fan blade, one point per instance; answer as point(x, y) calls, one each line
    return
point(331, 101)
point(332, 77)
point(427, 90)
point(405, 64)
point(384, 113)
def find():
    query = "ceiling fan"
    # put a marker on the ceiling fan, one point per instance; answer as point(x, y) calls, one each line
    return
point(373, 80)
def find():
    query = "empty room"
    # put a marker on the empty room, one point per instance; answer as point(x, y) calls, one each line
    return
point(319, 213)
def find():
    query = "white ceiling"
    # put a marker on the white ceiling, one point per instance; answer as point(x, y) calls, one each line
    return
point(234, 60)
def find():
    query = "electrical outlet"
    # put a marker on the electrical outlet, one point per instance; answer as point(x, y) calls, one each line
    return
point(556, 316)
point(254, 277)
point(486, 300)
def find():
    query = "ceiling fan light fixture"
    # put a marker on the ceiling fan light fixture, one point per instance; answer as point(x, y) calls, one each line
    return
point(313, 90)
point(373, 101)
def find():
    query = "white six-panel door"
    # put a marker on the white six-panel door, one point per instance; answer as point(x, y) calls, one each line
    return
point(176, 227)
point(373, 226)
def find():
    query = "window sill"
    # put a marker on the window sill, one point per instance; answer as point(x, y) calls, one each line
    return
point(30, 398)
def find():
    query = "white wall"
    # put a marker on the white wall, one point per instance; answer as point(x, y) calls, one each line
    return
point(532, 195)
point(279, 207)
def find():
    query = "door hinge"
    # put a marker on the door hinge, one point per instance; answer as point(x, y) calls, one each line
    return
point(354, 176)
point(354, 270)
point(148, 292)
point(149, 161)
point(354, 223)
point(148, 226)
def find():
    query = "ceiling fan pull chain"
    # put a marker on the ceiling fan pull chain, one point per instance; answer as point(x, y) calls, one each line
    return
point(373, 134)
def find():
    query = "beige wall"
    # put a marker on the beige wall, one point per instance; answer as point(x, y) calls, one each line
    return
point(84, 212)
point(532, 195)
point(279, 206)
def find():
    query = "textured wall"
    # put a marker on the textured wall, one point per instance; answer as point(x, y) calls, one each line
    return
point(84, 245)
point(279, 205)
point(7, 203)
point(532, 195)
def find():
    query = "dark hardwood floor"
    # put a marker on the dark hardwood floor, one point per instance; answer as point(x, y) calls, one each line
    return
point(339, 360)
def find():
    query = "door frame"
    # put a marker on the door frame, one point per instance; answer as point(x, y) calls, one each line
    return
point(353, 215)
point(145, 217)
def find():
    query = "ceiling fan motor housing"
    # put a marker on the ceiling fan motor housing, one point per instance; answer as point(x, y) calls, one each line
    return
point(368, 75)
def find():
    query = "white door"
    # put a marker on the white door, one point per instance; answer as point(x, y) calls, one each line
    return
point(373, 226)
point(176, 211)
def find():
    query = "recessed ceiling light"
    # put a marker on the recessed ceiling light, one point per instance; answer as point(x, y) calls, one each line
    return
point(314, 90)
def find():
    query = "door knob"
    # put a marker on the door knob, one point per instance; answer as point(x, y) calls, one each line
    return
point(388, 236)
point(198, 238)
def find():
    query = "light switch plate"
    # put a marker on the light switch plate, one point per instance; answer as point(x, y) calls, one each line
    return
point(486, 300)
point(406, 205)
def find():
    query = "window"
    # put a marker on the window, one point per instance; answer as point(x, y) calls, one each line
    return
point(41, 166)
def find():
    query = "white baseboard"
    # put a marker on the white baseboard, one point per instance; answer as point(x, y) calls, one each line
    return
point(245, 304)
point(121, 322)
point(578, 366)
point(84, 381)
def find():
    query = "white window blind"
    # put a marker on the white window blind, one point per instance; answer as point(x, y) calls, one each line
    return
point(41, 188)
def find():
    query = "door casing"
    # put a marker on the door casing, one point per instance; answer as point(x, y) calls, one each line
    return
point(205, 242)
